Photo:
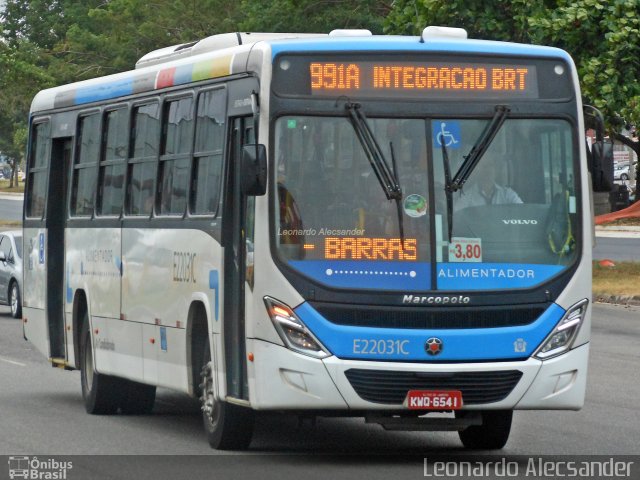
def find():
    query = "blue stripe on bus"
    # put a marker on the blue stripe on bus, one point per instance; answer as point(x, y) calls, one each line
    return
point(405, 276)
point(412, 44)
point(104, 91)
point(479, 344)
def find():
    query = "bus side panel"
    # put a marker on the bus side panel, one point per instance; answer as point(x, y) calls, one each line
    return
point(164, 271)
point(93, 265)
point(118, 347)
point(36, 329)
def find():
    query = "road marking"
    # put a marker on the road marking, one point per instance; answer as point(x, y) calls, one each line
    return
point(12, 362)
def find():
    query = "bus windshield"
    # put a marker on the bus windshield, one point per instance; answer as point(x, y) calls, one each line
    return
point(514, 222)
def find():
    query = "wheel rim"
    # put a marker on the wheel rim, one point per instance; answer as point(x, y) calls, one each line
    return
point(87, 371)
point(210, 408)
point(14, 299)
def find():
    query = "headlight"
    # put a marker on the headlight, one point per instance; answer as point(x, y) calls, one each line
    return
point(293, 332)
point(562, 337)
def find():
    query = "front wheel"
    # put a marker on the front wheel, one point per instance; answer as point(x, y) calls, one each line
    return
point(492, 434)
point(228, 426)
point(14, 300)
point(624, 176)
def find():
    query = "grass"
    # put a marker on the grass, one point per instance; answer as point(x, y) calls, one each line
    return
point(4, 187)
point(623, 222)
point(622, 280)
point(7, 224)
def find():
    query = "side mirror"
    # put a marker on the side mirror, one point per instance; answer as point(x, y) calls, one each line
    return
point(253, 170)
point(3, 257)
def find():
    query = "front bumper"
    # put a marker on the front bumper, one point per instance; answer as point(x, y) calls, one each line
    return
point(284, 380)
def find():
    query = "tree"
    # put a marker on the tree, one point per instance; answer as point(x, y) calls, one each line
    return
point(20, 81)
point(313, 16)
point(602, 36)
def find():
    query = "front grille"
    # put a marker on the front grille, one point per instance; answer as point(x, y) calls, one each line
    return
point(429, 317)
point(391, 387)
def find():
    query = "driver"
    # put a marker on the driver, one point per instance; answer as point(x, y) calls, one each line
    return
point(483, 188)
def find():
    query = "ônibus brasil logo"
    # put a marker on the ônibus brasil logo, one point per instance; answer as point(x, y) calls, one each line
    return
point(35, 469)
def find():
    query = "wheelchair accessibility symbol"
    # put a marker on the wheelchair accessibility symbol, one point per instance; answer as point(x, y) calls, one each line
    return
point(446, 134)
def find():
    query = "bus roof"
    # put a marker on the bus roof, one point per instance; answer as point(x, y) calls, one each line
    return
point(216, 62)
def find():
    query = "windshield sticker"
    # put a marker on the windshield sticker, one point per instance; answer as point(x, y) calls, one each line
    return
point(465, 249)
point(415, 205)
point(446, 133)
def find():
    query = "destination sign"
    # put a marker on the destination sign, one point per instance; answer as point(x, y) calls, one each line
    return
point(419, 79)
point(414, 77)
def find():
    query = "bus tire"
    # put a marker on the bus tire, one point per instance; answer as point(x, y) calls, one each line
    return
point(492, 434)
point(101, 393)
point(137, 398)
point(227, 426)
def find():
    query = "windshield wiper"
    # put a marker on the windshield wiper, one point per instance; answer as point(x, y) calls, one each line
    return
point(470, 160)
point(447, 190)
point(479, 148)
point(372, 150)
point(387, 177)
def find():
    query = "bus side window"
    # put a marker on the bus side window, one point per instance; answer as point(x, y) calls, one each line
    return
point(38, 161)
point(143, 159)
point(177, 138)
point(208, 152)
point(85, 166)
point(112, 165)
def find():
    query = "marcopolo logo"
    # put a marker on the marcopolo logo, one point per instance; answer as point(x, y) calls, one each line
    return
point(37, 469)
point(435, 299)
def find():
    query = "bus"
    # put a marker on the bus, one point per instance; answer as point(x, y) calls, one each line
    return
point(389, 227)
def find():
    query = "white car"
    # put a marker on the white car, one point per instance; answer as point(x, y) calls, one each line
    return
point(621, 171)
point(11, 271)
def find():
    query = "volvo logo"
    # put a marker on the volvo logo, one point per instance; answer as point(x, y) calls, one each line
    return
point(519, 221)
point(433, 346)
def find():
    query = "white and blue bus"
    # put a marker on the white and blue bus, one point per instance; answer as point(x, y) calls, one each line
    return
point(344, 224)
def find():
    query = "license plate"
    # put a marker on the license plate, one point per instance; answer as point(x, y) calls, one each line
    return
point(434, 400)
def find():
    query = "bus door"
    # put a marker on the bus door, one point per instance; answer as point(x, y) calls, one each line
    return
point(234, 241)
point(44, 231)
point(55, 251)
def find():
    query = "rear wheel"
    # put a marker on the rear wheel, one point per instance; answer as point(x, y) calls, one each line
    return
point(14, 300)
point(624, 176)
point(101, 393)
point(492, 434)
point(228, 426)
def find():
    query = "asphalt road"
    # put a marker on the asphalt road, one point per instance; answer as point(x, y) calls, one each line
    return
point(618, 249)
point(10, 207)
point(41, 412)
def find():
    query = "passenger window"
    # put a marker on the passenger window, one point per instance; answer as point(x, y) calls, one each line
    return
point(113, 164)
point(177, 127)
point(143, 159)
point(208, 152)
point(38, 161)
point(85, 163)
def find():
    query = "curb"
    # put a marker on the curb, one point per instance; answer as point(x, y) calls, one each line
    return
point(615, 228)
point(625, 300)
